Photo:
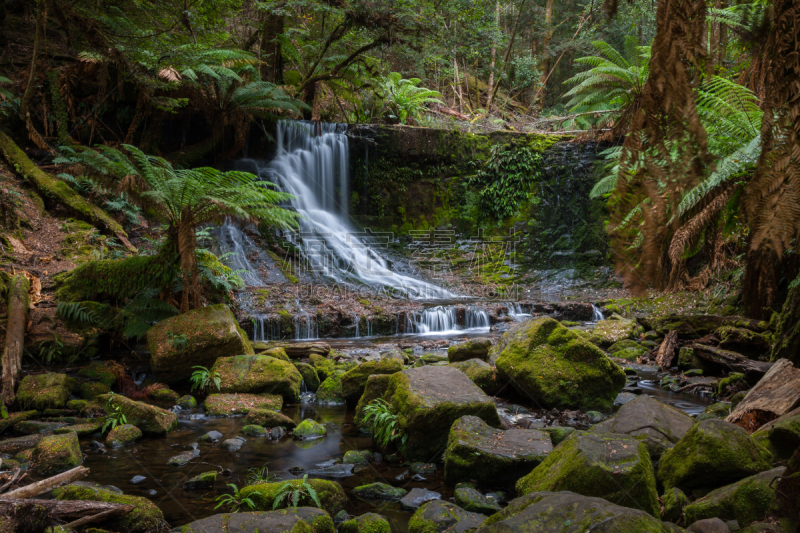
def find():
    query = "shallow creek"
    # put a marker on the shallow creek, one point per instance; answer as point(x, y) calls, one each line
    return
point(164, 484)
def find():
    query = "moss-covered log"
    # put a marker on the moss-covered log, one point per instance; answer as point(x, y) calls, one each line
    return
point(57, 191)
point(18, 304)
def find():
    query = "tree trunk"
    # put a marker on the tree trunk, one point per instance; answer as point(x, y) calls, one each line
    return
point(24, 103)
point(731, 360)
point(272, 66)
point(493, 55)
point(667, 355)
point(775, 395)
point(187, 244)
point(787, 335)
point(15, 335)
point(63, 509)
point(54, 190)
point(508, 52)
point(457, 80)
point(309, 95)
point(46, 485)
point(544, 65)
point(3, 39)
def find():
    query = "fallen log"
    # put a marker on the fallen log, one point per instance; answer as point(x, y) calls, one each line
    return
point(775, 395)
point(18, 305)
point(667, 355)
point(58, 191)
point(46, 485)
point(63, 510)
point(696, 326)
point(99, 517)
point(731, 360)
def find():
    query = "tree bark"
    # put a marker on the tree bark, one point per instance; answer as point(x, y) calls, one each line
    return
point(46, 485)
point(187, 244)
point(667, 354)
point(508, 51)
point(54, 190)
point(24, 111)
point(18, 304)
point(64, 510)
point(272, 66)
point(544, 65)
point(787, 335)
point(731, 360)
point(775, 395)
point(493, 53)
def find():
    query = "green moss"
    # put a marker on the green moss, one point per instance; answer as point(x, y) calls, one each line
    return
point(481, 374)
point(309, 429)
point(186, 402)
point(356, 457)
point(164, 395)
point(309, 373)
point(781, 437)
point(330, 494)
point(330, 390)
point(44, 391)
point(144, 518)
point(269, 419)
point(91, 390)
point(325, 367)
point(97, 371)
point(613, 467)
point(205, 480)
point(258, 373)
point(149, 418)
point(56, 453)
point(732, 381)
point(674, 501)
point(375, 388)
point(235, 404)
point(367, 523)
point(354, 381)
point(277, 353)
point(379, 491)
point(122, 435)
point(253, 430)
point(84, 429)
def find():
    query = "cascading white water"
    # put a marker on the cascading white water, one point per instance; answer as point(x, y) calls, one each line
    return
point(597, 314)
point(314, 169)
point(515, 311)
point(444, 319)
point(234, 246)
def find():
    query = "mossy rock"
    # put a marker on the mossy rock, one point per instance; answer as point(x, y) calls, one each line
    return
point(99, 371)
point(438, 515)
point(614, 467)
point(77, 405)
point(631, 354)
point(24, 456)
point(164, 394)
point(269, 419)
point(559, 434)
point(45, 391)
point(472, 349)
point(659, 425)
point(196, 338)
point(781, 436)
point(83, 430)
point(309, 373)
point(32, 427)
point(354, 381)
point(480, 372)
point(330, 493)
point(238, 404)
point(366, 523)
point(745, 501)
point(357, 457)
point(567, 512)
point(379, 491)
point(299, 520)
point(711, 454)
point(330, 390)
point(614, 330)
point(623, 345)
point(205, 480)
point(16, 444)
point(556, 368)
point(428, 400)
point(323, 365)
point(309, 429)
point(254, 430)
point(473, 501)
point(277, 353)
point(9, 464)
point(674, 502)
point(477, 451)
point(144, 518)
point(747, 342)
point(55, 454)
point(13, 419)
point(258, 374)
point(122, 435)
point(375, 388)
point(150, 419)
point(92, 389)
point(186, 402)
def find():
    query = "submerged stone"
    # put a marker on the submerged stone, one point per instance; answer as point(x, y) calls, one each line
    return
point(183, 458)
point(492, 456)
point(357, 457)
point(206, 334)
point(428, 400)
point(205, 480)
point(556, 368)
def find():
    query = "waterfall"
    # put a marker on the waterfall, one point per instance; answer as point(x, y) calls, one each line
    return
point(235, 246)
point(515, 311)
point(315, 170)
point(444, 319)
point(597, 314)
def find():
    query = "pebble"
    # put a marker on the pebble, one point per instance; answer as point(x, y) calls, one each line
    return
point(233, 445)
point(137, 479)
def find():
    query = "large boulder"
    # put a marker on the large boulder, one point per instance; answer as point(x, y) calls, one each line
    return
point(480, 372)
point(330, 493)
point(557, 368)
point(354, 381)
point(613, 330)
point(711, 454)
point(196, 338)
point(258, 374)
point(150, 419)
point(567, 512)
point(280, 521)
point(439, 515)
point(614, 467)
point(45, 391)
point(472, 349)
point(238, 404)
point(375, 388)
point(660, 425)
point(144, 518)
point(781, 436)
point(745, 501)
point(427, 400)
point(490, 456)
point(56, 453)
point(309, 373)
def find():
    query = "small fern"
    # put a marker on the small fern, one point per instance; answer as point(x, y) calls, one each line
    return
point(77, 312)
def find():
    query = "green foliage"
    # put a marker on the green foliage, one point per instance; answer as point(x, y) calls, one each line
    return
point(506, 179)
point(294, 494)
point(9, 102)
point(77, 312)
point(383, 424)
point(115, 417)
point(202, 378)
point(404, 99)
point(256, 476)
point(235, 501)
